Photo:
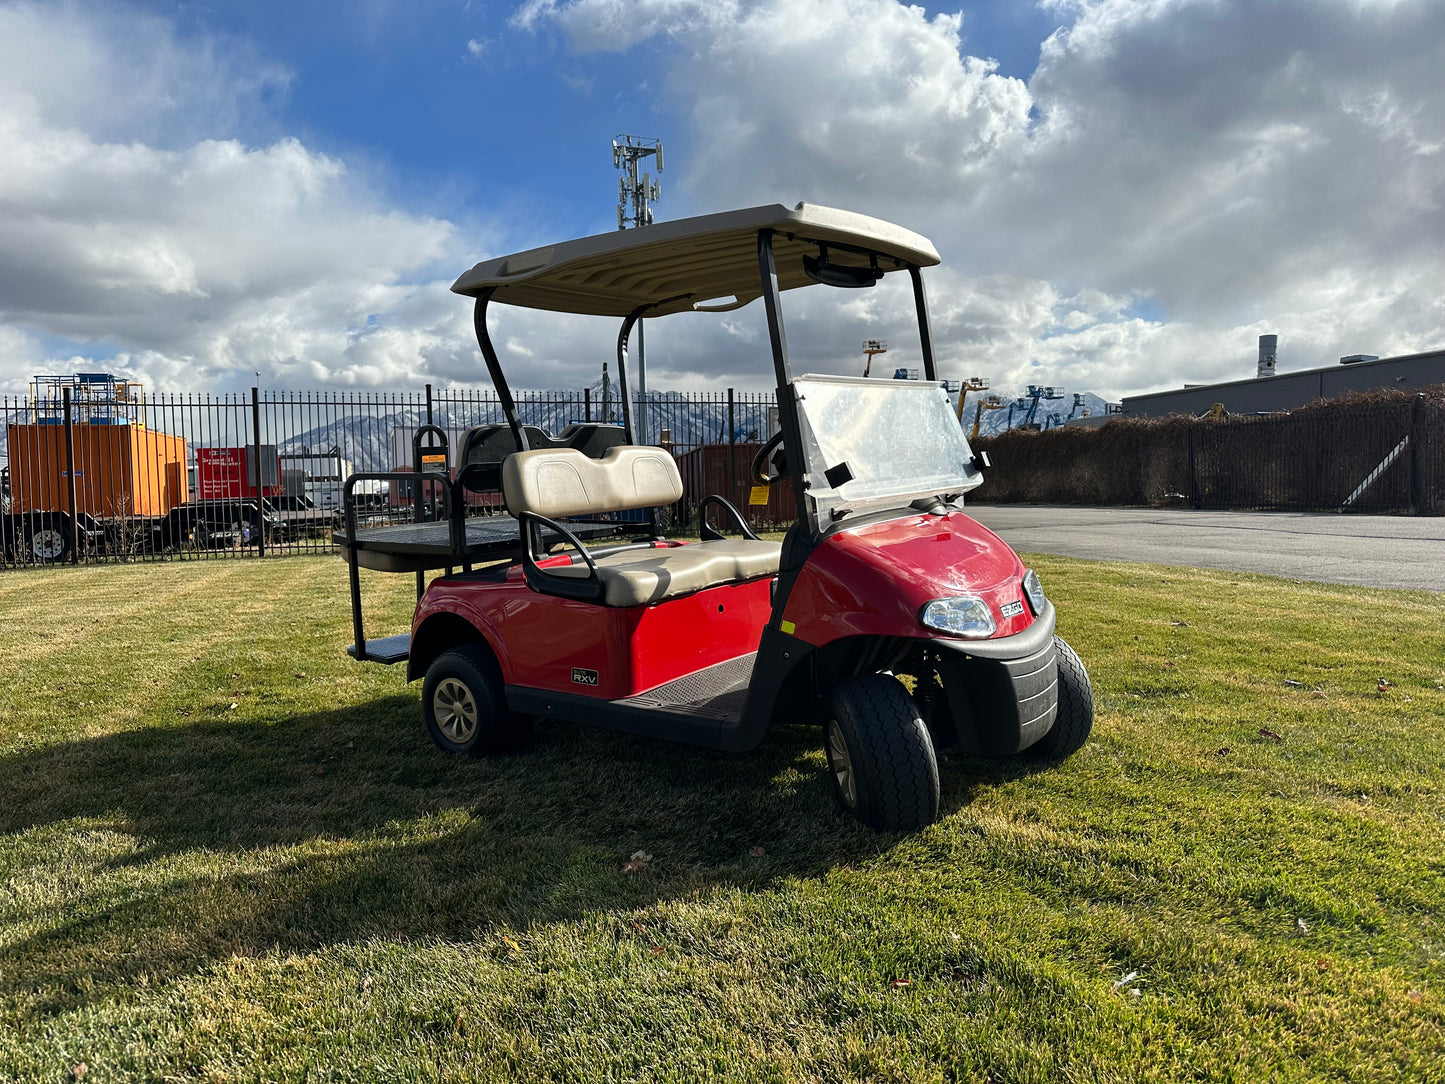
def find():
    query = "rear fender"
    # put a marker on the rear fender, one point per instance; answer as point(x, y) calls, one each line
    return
point(439, 633)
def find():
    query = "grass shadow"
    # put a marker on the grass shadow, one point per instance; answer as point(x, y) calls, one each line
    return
point(346, 825)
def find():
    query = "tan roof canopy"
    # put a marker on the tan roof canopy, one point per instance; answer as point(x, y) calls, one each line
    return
point(709, 262)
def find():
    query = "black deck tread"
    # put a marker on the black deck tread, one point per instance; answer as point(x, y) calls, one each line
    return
point(485, 534)
point(716, 692)
point(385, 649)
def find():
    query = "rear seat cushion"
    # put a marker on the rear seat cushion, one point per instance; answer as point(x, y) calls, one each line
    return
point(637, 577)
point(558, 482)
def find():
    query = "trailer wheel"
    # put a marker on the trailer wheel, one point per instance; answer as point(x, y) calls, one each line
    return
point(49, 543)
point(464, 706)
point(880, 755)
point(1075, 719)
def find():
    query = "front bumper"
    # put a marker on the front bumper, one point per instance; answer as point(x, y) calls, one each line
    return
point(1003, 694)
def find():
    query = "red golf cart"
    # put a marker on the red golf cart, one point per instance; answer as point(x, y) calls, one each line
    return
point(886, 615)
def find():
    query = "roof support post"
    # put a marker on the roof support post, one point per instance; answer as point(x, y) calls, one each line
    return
point(622, 337)
point(787, 405)
point(925, 330)
point(494, 367)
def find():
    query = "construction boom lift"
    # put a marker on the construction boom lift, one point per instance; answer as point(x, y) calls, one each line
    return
point(872, 347)
point(1030, 402)
point(973, 383)
point(986, 402)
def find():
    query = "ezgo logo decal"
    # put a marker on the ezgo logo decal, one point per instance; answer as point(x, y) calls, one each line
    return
point(1008, 609)
point(584, 677)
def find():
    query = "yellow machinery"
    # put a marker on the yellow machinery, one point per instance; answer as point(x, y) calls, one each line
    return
point(985, 402)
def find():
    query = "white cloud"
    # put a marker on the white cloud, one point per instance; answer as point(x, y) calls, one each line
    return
point(1227, 167)
point(1176, 177)
point(195, 260)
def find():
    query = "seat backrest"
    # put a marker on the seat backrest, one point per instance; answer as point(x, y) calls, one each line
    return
point(483, 448)
point(561, 482)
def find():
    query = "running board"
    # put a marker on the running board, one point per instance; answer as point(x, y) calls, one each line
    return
point(386, 650)
point(696, 709)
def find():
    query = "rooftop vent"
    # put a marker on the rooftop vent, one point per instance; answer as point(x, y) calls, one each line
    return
point(1268, 348)
point(1351, 359)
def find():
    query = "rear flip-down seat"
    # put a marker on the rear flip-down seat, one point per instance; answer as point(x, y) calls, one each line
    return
point(556, 483)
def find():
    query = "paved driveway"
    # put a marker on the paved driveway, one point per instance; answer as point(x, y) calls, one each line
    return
point(1372, 551)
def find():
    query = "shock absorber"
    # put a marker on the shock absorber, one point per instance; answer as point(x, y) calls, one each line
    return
point(932, 706)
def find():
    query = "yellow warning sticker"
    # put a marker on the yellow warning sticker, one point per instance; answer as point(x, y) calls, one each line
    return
point(758, 495)
point(787, 626)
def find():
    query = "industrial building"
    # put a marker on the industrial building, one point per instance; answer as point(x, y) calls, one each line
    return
point(1269, 392)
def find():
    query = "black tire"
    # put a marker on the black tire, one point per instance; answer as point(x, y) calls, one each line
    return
point(880, 756)
point(1075, 719)
point(464, 705)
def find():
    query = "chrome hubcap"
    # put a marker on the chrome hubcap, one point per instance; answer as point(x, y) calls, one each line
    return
point(842, 766)
point(455, 709)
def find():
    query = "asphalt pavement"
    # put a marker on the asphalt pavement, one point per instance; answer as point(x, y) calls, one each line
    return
point(1370, 551)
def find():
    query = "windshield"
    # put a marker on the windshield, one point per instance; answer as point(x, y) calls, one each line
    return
point(900, 440)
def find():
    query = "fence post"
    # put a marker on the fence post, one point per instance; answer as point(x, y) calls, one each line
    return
point(1418, 499)
point(732, 451)
point(1193, 474)
point(256, 445)
point(586, 404)
point(70, 477)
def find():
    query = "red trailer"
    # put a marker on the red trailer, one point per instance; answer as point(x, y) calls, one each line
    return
point(230, 473)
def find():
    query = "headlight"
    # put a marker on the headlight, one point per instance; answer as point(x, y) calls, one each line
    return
point(963, 616)
point(1034, 590)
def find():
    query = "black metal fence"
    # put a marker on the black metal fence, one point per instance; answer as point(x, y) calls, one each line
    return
point(95, 471)
point(92, 471)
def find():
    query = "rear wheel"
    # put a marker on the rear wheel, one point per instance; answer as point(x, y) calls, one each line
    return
point(880, 755)
point(1075, 719)
point(464, 704)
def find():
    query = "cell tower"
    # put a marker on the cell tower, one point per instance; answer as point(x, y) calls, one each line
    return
point(635, 195)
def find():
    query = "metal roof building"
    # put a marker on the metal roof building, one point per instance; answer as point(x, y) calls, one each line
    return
point(1286, 391)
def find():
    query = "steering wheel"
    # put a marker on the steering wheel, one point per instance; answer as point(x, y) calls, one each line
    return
point(760, 460)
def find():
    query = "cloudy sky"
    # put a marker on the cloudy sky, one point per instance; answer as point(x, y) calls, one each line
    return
point(1125, 193)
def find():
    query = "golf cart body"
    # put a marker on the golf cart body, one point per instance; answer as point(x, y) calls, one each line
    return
point(709, 642)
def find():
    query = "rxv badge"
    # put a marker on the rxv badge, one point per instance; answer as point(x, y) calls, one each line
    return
point(584, 677)
point(1008, 609)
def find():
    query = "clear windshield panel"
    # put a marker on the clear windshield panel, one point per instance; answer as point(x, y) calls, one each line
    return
point(900, 440)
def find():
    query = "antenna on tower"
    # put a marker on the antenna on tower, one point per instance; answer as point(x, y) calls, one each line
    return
point(636, 194)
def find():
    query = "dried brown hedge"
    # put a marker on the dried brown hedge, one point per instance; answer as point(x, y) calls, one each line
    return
point(1309, 458)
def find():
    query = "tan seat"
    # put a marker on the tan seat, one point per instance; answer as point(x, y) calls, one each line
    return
point(559, 482)
point(637, 577)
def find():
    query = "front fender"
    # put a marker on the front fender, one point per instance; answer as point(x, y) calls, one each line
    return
point(874, 580)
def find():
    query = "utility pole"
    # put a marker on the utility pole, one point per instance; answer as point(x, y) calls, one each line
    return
point(638, 194)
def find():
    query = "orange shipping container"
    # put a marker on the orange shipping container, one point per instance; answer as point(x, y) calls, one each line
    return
point(119, 470)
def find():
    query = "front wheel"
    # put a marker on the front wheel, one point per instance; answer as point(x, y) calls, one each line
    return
point(1075, 719)
point(880, 755)
point(464, 705)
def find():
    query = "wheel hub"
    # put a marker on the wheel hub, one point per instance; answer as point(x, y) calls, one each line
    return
point(841, 765)
point(48, 544)
point(456, 710)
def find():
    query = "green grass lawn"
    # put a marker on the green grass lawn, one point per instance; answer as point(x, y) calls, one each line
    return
point(229, 852)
